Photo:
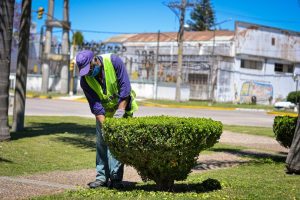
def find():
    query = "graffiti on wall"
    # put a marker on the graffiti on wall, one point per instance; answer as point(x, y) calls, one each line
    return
point(262, 92)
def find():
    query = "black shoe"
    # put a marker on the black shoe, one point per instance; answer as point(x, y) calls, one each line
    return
point(97, 184)
point(116, 185)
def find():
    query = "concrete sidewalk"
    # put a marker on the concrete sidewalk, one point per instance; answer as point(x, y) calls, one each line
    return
point(23, 187)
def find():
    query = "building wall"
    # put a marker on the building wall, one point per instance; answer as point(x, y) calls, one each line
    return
point(267, 42)
point(267, 46)
point(245, 83)
point(142, 90)
point(164, 91)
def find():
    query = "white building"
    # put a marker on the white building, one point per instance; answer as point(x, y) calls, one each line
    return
point(265, 60)
point(253, 62)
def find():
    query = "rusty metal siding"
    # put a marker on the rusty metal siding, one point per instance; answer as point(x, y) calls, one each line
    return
point(267, 42)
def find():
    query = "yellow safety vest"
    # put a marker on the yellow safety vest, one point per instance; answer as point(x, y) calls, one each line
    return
point(109, 100)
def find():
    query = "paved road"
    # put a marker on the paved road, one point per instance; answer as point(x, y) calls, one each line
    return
point(72, 108)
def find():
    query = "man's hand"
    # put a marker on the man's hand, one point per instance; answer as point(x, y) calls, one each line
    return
point(100, 118)
point(119, 113)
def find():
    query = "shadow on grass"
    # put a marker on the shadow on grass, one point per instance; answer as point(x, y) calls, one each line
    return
point(5, 160)
point(86, 141)
point(280, 157)
point(206, 186)
point(39, 129)
point(84, 135)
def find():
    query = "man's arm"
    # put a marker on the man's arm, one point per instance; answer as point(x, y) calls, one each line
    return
point(100, 118)
point(123, 104)
point(123, 81)
point(123, 84)
point(94, 102)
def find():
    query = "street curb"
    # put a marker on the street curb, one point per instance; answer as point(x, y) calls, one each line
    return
point(191, 107)
point(282, 114)
point(38, 96)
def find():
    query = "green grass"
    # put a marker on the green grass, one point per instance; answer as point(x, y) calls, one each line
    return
point(47, 144)
point(68, 143)
point(64, 143)
point(204, 103)
point(257, 180)
point(262, 131)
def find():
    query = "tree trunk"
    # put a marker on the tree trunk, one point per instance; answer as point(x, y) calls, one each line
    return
point(293, 158)
point(21, 74)
point(6, 30)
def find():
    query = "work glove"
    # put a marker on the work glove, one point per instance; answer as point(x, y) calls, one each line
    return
point(119, 113)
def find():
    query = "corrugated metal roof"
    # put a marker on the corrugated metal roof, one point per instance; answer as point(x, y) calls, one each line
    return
point(172, 36)
point(118, 38)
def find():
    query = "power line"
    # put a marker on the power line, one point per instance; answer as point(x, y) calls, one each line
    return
point(105, 32)
point(93, 31)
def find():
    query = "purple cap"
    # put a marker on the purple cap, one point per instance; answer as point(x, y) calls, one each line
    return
point(83, 60)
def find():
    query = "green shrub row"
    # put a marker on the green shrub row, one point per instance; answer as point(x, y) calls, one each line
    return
point(161, 148)
point(284, 128)
point(293, 97)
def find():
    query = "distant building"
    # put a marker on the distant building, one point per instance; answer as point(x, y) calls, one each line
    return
point(252, 63)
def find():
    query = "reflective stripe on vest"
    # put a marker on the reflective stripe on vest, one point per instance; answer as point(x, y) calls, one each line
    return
point(109, 100)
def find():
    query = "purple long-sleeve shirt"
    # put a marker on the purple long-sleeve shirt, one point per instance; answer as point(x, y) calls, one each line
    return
point(123, 84)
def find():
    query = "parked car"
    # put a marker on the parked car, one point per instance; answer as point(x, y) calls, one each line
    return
point(284, 104)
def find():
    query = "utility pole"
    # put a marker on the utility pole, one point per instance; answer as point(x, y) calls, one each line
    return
point(6, 30)
point(214, 64)
point(48, 55)
point(181, 7)
point(22, 62)
point(156, 67)
point(47, 49)
point(64, 75)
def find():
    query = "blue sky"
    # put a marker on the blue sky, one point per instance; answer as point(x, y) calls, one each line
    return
point(131, 16)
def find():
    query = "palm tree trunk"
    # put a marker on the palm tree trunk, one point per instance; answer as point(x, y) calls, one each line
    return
point(6, 30)
point(22, 62)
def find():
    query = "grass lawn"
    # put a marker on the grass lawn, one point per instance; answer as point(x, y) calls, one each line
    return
point(204, 103)
point(258, 180)
point(252, 130)
point(68, 143)
point(47, 144)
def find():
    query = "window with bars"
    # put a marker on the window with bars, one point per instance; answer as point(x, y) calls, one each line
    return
point(251, 64)
point(200, 79)
point(284, 68)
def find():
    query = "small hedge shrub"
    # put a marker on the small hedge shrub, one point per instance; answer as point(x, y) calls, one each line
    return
point(161, 148)
point(293, 96)
point(284, 128)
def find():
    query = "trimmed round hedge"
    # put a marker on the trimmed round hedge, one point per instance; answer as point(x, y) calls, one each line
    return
point(161, 148)
point(284, 128)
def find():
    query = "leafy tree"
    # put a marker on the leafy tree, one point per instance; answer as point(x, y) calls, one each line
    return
point(78, 37)
point(202, 16)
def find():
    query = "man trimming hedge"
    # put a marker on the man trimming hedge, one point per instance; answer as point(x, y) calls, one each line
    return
point(106, 85)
